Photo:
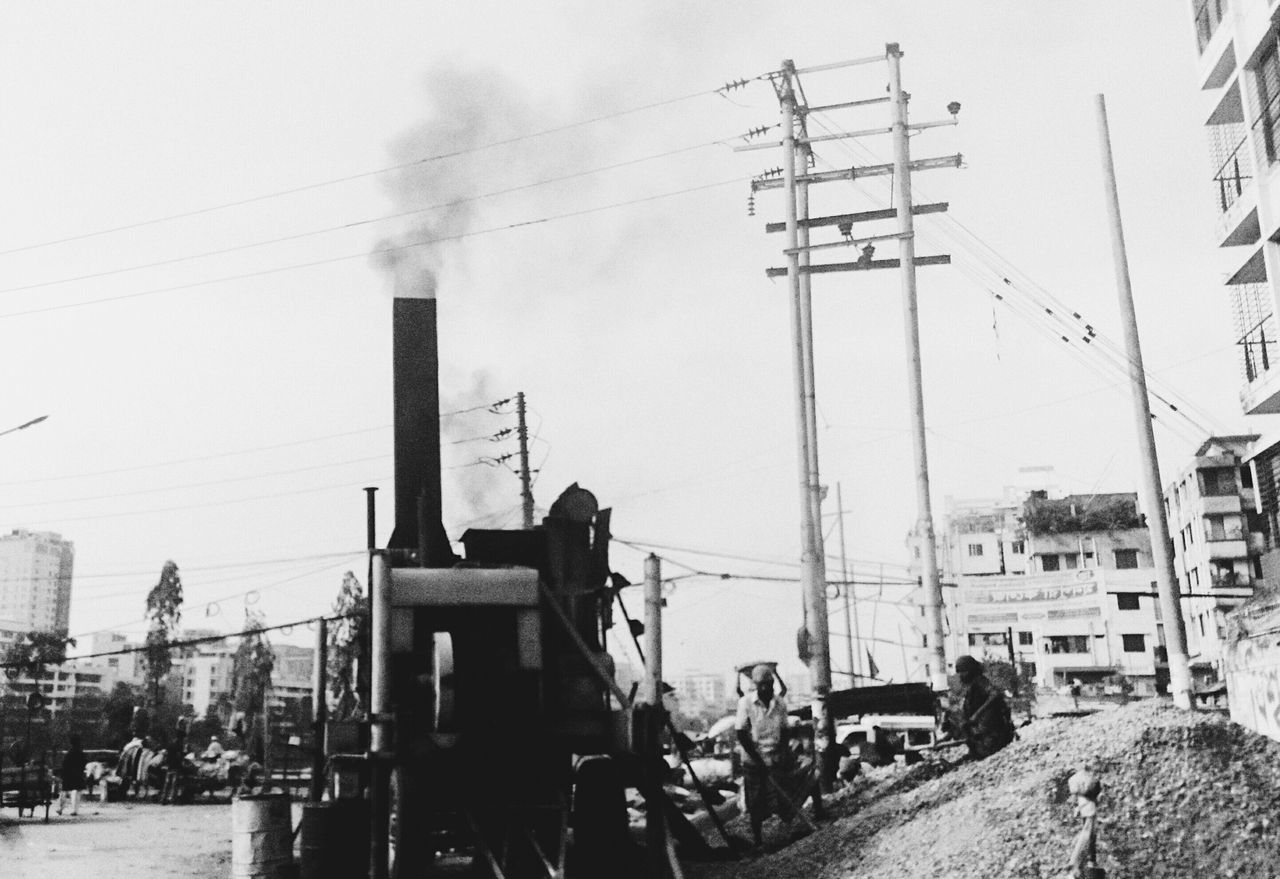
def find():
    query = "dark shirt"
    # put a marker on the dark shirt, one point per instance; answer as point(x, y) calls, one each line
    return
point(72, 772)
point(992, 729)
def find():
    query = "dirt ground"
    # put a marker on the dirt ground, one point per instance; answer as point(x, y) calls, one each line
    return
point(134, 840)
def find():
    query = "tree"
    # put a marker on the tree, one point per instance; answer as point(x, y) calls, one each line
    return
point(164, 603)
point(348, 649)
point(251, 668)
point(36, 650)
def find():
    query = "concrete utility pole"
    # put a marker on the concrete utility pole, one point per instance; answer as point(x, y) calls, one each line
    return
point(319, 708)
point(812, 576)
point(846, 588)
point(1152, 496)
point(653, 630)
point(526, 482)
point(930, 584)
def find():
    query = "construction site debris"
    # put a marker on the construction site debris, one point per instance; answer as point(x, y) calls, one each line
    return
point(1184, 796)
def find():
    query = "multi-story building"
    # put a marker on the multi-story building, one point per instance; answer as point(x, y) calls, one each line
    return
point(127, 667)
point(1218, 541)
point(291, 677)
point(700, 691)
point(982, 536)
point(1061, 586)
point(35, 579)
point(1239, 76)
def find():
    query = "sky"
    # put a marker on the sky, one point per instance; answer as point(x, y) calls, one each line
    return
point(205, 211)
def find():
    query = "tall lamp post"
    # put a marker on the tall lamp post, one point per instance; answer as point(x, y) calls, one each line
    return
point(24, 426)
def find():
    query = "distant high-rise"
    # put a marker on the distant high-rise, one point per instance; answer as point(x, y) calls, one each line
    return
point(35, 579)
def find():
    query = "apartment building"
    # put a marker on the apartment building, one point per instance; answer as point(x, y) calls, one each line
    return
point(35, 579)
point(1064, 587)
point(700, 690)
point(1218, 542)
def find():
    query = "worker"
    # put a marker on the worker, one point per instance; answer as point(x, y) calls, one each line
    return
point(985, 721)
point(1076, 687)
point(773, 782)
point(72, 776)
point(213, 751)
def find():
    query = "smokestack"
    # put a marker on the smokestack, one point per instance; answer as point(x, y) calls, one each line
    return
point(415, 362)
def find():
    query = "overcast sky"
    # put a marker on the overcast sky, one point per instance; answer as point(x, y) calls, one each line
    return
point(193, 194)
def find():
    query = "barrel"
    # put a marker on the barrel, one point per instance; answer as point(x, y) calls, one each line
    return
point(261, 837)
point(335, 839)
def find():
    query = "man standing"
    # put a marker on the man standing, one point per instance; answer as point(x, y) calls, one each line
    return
point(984, 719)
point(769, 771)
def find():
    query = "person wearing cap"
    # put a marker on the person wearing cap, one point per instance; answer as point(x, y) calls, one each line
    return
point(768, 770)
point(985, 721)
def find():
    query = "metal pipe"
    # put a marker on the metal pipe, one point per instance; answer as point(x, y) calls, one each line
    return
point(380, 709)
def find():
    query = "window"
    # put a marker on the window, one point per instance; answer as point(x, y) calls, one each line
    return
point(1018, 547)
point(1048, 563)
point(1071, 560)
point(1126, 558)
point(1267, 78)
point(1134, 643)
point(1067, 644)
point(1024, 639)
point(1214, 528)
point(1246, 476)
point(975, 549)
point(1127, 601)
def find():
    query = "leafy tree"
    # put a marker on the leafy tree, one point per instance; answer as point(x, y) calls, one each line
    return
point(348, 649)
point(251, 668)
point(118, 713)
point(35, 651)
point(164, 603)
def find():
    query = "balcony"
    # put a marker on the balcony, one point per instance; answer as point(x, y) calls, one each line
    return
point(1208, 14)
point(1256, 334)
point(1226, 549)
point(1220, 504)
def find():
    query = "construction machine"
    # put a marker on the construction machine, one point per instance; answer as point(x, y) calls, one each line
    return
point(501, 744)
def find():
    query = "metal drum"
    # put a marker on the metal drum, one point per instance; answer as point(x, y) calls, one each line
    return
point(335, 839)
point(261, 837)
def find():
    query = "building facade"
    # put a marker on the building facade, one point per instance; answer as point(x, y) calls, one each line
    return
point(1061, 587)
point(35, 579)
point(1218, 542)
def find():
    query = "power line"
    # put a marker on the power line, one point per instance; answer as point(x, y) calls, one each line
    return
point(366, 254)
point(223, 503)
point(354, 223)
point(191, 642)
point(358, 176)
point(225, 481)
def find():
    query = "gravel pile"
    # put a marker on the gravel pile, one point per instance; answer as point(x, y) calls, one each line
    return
point(1184, 795)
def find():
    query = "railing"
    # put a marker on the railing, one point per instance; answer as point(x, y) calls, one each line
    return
point(1208, 15)
point(1256, 328)
point(1232, 174)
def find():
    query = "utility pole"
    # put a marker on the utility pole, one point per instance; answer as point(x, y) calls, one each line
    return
point(930, 583)
point(846, 588)
point(795, 137)
point(1152, 499)
point(812, 578)
point(526, 483)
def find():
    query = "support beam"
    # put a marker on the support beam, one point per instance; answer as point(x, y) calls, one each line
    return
point(860, 217)
point(857, 173)
point(825, 268)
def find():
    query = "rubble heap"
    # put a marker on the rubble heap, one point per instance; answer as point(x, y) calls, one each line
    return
point(1184, 795)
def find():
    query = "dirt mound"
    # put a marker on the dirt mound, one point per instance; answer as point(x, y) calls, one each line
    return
point(1184, 795)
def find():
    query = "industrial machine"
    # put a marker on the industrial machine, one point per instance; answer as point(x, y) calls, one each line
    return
point(501, 743)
